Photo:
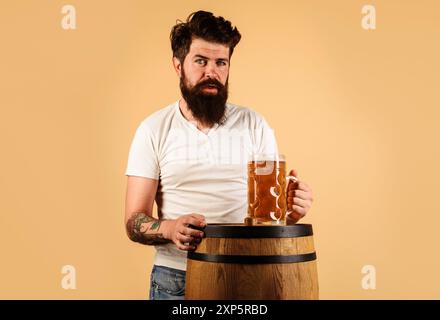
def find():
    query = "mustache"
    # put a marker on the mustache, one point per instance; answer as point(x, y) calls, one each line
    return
point(208, 83)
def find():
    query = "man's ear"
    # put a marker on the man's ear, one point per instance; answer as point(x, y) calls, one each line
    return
point(177, 66)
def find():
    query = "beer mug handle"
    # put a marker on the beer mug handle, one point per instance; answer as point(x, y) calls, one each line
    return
point(289, 178)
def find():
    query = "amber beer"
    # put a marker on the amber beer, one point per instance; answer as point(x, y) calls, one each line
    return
point(267, 184)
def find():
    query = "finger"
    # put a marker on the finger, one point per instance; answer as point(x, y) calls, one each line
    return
point(192, 232)
point(300, 194)
point(306, 204)
point(196, 241)
point(299, 202)
point(303, 186)
point(295, 216)
point(198, 216)
point(294, 173)
point(181, 246)
point(194, 221)
point(299, 210)
point(293, 185)
point(183, 238)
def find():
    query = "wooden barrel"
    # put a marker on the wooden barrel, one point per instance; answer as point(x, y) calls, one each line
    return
point(235, 261)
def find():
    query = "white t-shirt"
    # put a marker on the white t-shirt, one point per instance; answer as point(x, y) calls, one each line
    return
point(198, 172)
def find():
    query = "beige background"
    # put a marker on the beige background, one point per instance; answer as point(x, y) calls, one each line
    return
point(355, 112)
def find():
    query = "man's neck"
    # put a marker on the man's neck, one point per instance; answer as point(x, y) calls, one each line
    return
point(187, 114)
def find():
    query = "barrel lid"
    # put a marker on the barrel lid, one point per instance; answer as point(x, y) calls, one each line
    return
point(236, 230)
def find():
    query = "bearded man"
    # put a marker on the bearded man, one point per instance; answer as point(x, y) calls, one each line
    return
point(191, 156)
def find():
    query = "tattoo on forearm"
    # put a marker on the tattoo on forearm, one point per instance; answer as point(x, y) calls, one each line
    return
point(143, 228)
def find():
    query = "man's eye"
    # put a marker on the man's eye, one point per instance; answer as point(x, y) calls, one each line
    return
point(221, 63)
point(200, 61)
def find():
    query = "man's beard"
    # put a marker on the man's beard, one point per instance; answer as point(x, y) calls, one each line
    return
point(206, 107)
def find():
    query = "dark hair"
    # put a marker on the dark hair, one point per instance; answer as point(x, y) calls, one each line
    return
point(206, 26)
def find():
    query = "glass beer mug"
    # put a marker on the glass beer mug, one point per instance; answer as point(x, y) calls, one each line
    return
point(267, 185)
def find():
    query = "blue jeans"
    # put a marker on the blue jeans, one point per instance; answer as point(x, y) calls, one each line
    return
point(167, 283)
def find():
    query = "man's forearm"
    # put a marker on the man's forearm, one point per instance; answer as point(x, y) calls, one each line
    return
point(145, 229)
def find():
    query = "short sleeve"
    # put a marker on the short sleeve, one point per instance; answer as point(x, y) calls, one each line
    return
point(142, 157)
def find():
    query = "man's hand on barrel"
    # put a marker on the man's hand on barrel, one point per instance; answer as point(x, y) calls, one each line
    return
point(182, 235)
point(299, 199)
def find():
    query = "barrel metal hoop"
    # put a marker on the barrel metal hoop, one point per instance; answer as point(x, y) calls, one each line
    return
point(246, 232)
point(246, 259)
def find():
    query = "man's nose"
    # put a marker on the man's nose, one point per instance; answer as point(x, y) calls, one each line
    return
point(211, 70)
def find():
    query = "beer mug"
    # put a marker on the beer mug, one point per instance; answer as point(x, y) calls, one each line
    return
point(267, 186)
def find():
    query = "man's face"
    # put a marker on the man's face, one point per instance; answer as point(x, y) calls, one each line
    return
point(206, 60)
point(204, 79)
